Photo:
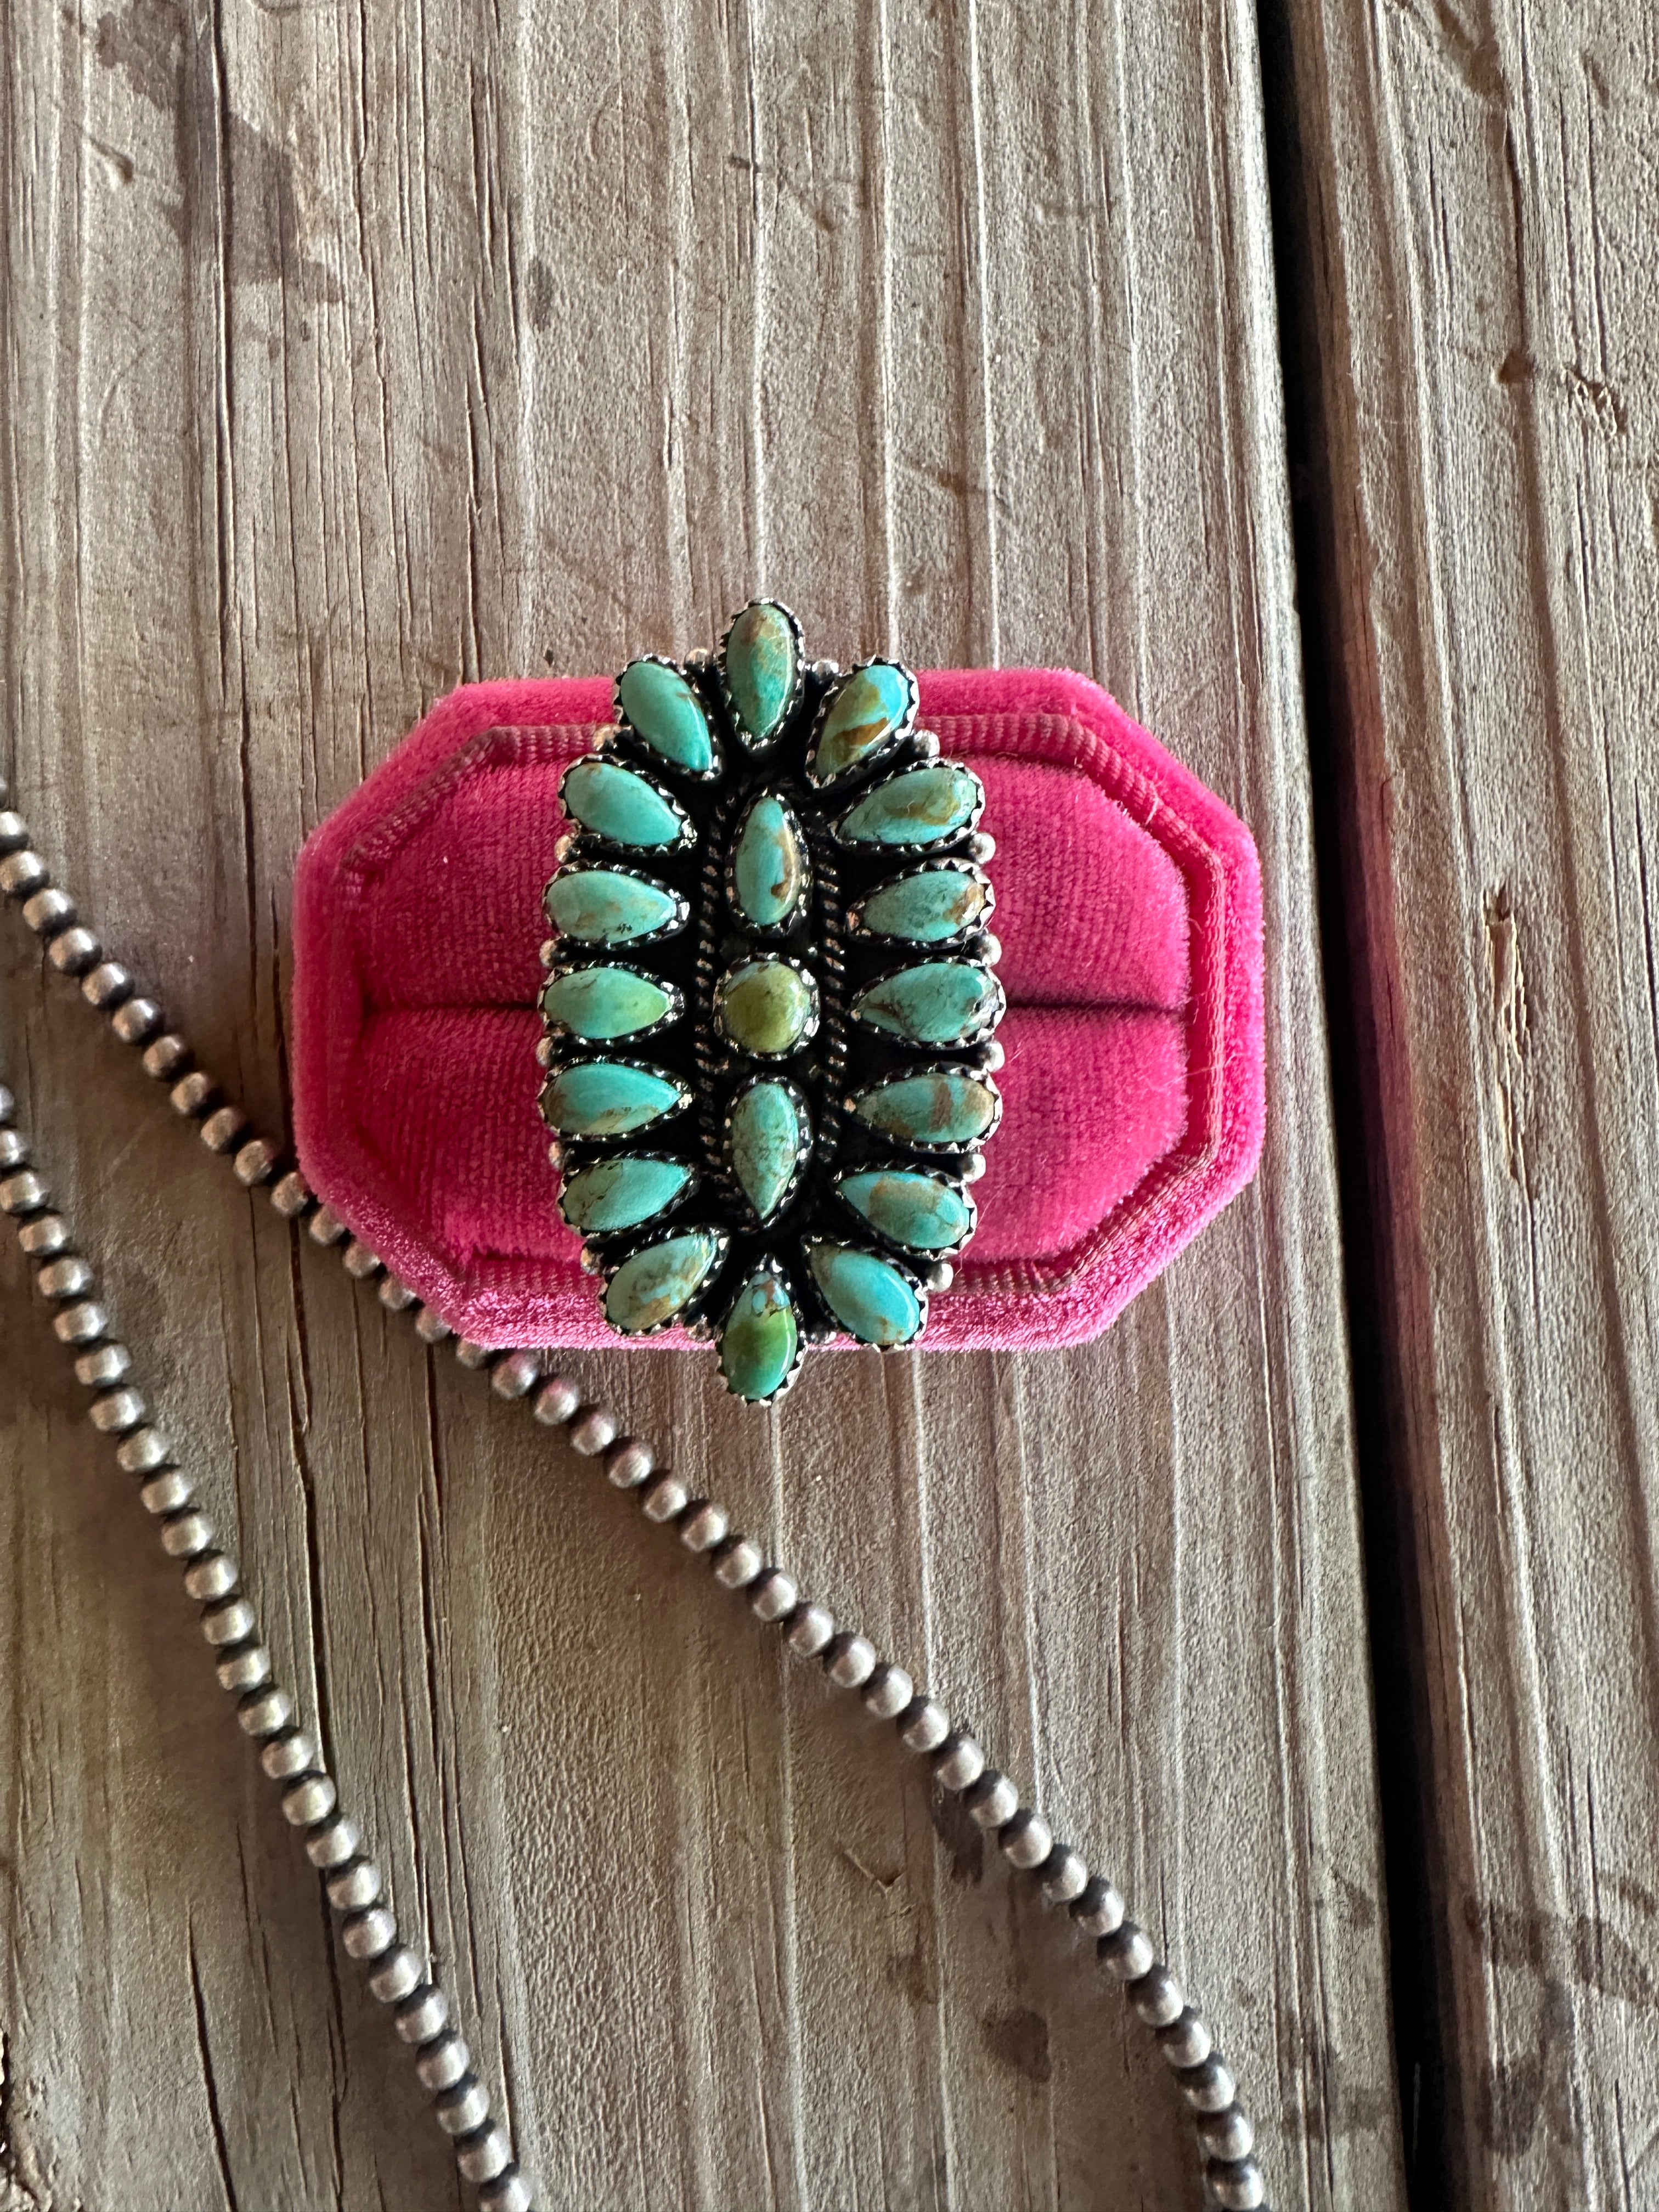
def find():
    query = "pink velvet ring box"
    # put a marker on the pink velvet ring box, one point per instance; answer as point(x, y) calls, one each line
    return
point(1129, 910)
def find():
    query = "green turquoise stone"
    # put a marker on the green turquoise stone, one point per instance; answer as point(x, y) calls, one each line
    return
point(608, 1098)
point(620, 804)
point(940, 1002)
point(599, 906)
point(869, 1297)
point(646, 1291)
point(621, 1193)
point(766, 1007)
point(929, 907)
point(602, 1003)
point(946, 1107)
point(667, 713)
point(922, 1211)
point(761, 657)
point(917, 808)
point(769, 1136)
point(869, 709)
point(769, 863)
point(760, 1339)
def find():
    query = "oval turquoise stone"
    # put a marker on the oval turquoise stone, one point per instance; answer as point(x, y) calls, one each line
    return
point(646, 1291)
point(940, 1002)
point(601, 906)
point(667, 713)
point(761, 653)
point(929, 907)
point(769, 863)
point(946, 1107)
point(916, 808)
point(620, 804)
point(868, 711)
point(766, 1007)
point(599, 1004)
point(608, 1098)
point(925, 1212)
point(769, 1136)
point(868, 1297)
point(621, 1193)
point(760, 1339)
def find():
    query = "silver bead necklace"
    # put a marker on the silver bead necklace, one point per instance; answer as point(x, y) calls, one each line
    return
point(399, 1975)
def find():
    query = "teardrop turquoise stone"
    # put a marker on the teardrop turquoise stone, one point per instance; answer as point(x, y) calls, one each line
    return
point(760, 658)
point(667, 713)
point(948, 1108)
point(868, 710)
point(621, 1193)
point(600, 906)
point(646, 1291)
point(618, 803)
point(607, 1098)
point(769, 1135)
point(760, 1339)
point(929, 907)
point(765, 1008)
point(868, 1297)
point(919, 807)
point(940, 1002)
point(769, 865)
point(602, 1003)
point(922, 1211)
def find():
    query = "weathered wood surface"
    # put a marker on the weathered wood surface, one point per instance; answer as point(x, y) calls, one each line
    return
point(1480, 208)
point(349, 353)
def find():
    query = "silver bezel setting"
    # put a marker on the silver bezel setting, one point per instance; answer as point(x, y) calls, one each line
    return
point(693, 1309)
point(803, 1158)
point(896, 734)
point(915, 1255)
point(774, 930)
point(687, 1191)
point(951, 865)
point(623, 728)
point(977, 1036)
point(803, 1038)
point(949, 1149)
point(928, 845)
point(606, 944)
point(757, 748)
point(629, 1038)
point(769, 1264)
point(686, 1097)
point(585, 839)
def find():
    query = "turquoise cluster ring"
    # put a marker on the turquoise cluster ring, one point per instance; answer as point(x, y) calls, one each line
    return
point(770, 1005)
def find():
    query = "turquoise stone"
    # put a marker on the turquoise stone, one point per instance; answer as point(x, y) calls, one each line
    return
point(868, 711)
point(929, 907)
point(947, 1107)
point(922, 1211)
point(621, 1193)
point(601, 906)
point(769, 863)
point(667, 713)
point(762, 657)
point(869, 1297)
point(646, 1291)
point(760, 1339)
point(940, 1002)
point(599, 1004)
point(769, 1136)
point(620, 804)
point(608, 1098)
point(766, 1007)
point(917, 808)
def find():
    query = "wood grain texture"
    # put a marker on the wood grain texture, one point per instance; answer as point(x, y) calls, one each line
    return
point(1480, 201)
point(349, 353)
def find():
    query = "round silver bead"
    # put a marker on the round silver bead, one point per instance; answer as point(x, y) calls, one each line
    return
point(774, 1594)
point(220, 1131)
point(1026, 1840)
point(992, 1800)
point(254, 1162)
point(166, 1491)
point(958, 1762)
point(810, 1628)
point(136, 1021)
point(629, 1464)
point(1238, 2188)
point(325, 1226)
point(80, 1324)
point(8, 1104)
point(144, 1449)
point(354, 1887)
point(1063, 1875)
point(1185, 2041)
point(22, 1193)
point(22, 872)
point(308, 1800)
point(981, 847)
point(1209, 2087)
point(737, 1562)
point(74, 951)
point(167, 1057)
point(246, 1669)
point(395, 1295)
point(665, 1499)
point(184, 1535)
point(106, 1364)
point(368, 1934)
point(594, 1432)
point(398, 1973)
point(191, 1093)
point(1157, 1998)
point(359, 1262)
point(887, 1692)
point(334, 1844)
point(49, 911)
point(14, 1153)
point(71, 1277)
point(233, 1622)
point(472, 1355)
point(556, 1401)
point(422, 2015)
point(443, 2062)
point(431, 1327)
point(262, 1712)
point(941, 1275)
point(116, 1412)
point(705, 1525)
point(511, 2193)
point(106, 984)
point(464, 2107)
point(516, 1376)
point(1128, 1953)
point(290, 1194)
point(290, 1754)
point(210, 1577)
point(14, 830)
point(1227, 2134)
point(46, 1235)
point(849, 1660)
point(992, 1056)
point(923, 1726)
point(484, 2153)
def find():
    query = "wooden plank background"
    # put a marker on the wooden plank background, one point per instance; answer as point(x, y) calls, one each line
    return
point(349, 354)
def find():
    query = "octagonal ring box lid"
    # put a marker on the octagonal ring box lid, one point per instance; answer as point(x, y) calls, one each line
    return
point(1129, 910)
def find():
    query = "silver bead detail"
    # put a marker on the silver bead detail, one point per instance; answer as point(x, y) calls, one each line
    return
point(254, 1162)
point(510, 2194)
point(74, 952)
point(106, 984)
point(22, 1193)
point(1063, 1875)
point(809, 1629)
point(1185, 2042)
point(422, 2016)
point(1157, 1998)
point(1129, 1953)
point(516, 1376)
point(116, 1412)
point(484, 2153)
point(359, 1262)
point(165, 1058)
point(48, 1233)
point(596, 1432)
point(334, 1844)
point(737, 1562)
point(628, 1464)
point(1099, 1910)
point(773, 1596)
point(210, 1576)
point(14, 1153)
point(325, 1226)
point(191, 1093)
point(556, 1401)
point(923, 1726)
point(395, 1295)
point(311, 1799)
point(1227, 2134)
point(398, 1973)
point(463, 2107)
point(290, 1194)
point(366, 1933)
point(143, 1450)
point(665, 1499)
point(246, 1669)
point(264, 1711)
point(166, 1492)
point(233, 1622)
point(185, 1535)
point(1026, 1840)
point(354, 1886)
point(431, 1327)
point(1238, 2188)
point(849, 1660)
point(49, 911)
point(1209, 2087)
point(220, 1131)
point(471, 1355)
point(67, 1278)
point(98, 1368)
point(443, 2062)
point(286, 1755)
point(704, 1526)
point(958, 1762)
point(14, 830)
point(136, 1021)
point(80, 1324)
point(992, 1800)
point(887, 1692)
point(22, 872)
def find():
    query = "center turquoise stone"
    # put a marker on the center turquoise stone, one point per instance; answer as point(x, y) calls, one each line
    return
point(766, 1007)
point(769, 863)
point(769, 1137)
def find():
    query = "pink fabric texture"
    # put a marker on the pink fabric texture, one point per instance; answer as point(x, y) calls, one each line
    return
point(1128, 905)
